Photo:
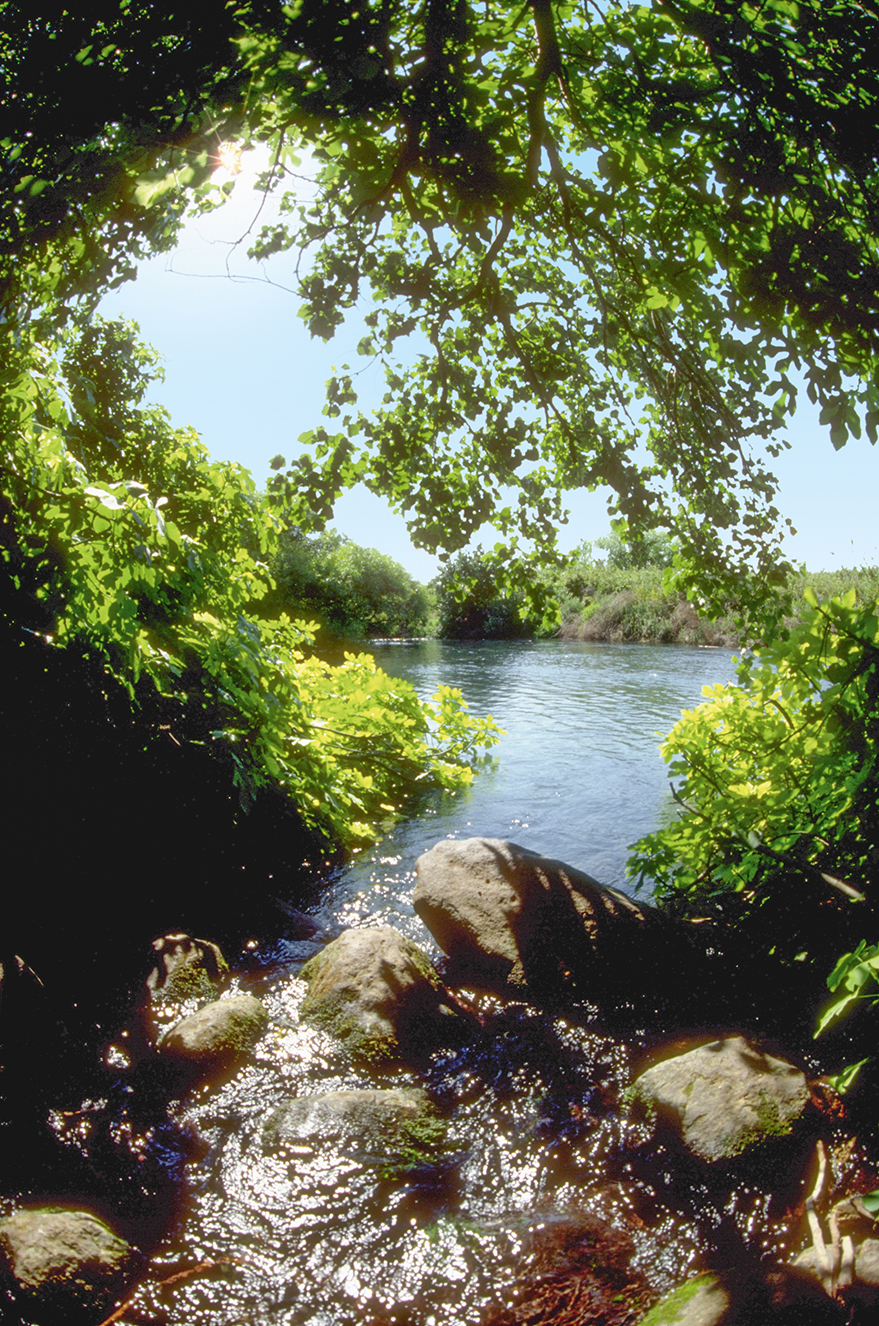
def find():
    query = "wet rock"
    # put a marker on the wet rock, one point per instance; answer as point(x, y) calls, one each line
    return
point(703, 1301)
point(217, 1034)
point(506, 915)
point(186, 973)
point(782, 1297)
point(724, 1097)
point(867, 1263)
point(378, 994)
point(185, 968)
point(399, 1121)
point(864, 1287)
point(64, 1265)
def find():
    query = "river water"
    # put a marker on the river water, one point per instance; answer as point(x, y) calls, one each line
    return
point(543, 1203)
point(577, 775)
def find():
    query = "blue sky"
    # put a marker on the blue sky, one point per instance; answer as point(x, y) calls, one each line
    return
point(241, 369)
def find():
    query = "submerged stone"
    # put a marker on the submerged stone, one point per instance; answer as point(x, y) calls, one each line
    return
point(724, 1097)
point(395, 1122)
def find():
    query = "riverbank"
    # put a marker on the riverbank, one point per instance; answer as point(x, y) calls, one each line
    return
point(654, 618)
point(255, 1193)
point(613, 605)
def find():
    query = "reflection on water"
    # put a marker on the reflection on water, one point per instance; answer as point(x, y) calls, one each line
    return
point(327, 1233)
point(539, 1165)
point(578, 775)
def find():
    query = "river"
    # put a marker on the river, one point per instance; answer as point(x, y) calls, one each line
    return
point(540, 1188)
point(577, 775)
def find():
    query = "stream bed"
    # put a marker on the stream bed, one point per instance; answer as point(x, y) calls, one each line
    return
point(539, 1196)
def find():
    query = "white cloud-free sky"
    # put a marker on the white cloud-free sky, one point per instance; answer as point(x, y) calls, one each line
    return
point(241, 368)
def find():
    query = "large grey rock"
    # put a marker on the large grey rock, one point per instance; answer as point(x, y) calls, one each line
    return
point(506, 915)
point(396, 1121)
point(63, 1265)
point(725, 1097)
point(217, 1034)
point(379, 994)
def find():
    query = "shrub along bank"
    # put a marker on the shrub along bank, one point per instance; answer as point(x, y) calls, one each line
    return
point(631, 595)
point(171, 734)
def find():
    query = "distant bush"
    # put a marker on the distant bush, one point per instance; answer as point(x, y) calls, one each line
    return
point(470, 607)
point(622, 597)
point(623, 553)
point(353, 591)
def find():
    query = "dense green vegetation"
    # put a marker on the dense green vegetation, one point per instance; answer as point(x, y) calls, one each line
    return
point(599, 601)
point(470, 606)
point(628, 236)
point(777, 784)
point(354, 592)
point(132, 544)
point(617, 588)
point(625, 237)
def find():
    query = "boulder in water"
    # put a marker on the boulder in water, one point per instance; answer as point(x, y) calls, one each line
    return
point(64, 1265)
point(508, 916)
point(725, 1097)
point(217, 1035)
point(185, 968)
point(702, 1301)
point(377, 993)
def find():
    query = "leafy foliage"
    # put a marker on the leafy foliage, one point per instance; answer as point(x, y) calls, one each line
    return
point(127, 540)
point(605, 245)
point(355, 591)
point(777, 779)
point(601, 227)
point(854, 978)
point(470, 605)
point(623, 552)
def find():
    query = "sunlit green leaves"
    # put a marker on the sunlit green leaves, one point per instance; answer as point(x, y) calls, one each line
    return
point(779, 775)
point(155, 558)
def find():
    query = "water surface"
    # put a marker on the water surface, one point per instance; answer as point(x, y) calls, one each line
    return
point(577, 775)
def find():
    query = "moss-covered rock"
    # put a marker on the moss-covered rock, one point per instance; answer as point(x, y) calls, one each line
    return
point(398, 1128)
point(725, 1097)
point(185, 968)
point(378, 994)
point(217, 1035)
point(702, 1301)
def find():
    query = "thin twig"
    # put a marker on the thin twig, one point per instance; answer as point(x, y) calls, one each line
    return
point(174, 1279)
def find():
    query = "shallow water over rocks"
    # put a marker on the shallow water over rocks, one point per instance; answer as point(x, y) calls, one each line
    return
point(543, 1199)
point(325, 1232)
point(541, 1189)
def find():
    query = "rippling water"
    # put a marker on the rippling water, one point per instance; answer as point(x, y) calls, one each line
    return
point(578, 775)
point(543, 1191)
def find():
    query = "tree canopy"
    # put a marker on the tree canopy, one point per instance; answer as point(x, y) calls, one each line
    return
point(599, 244)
